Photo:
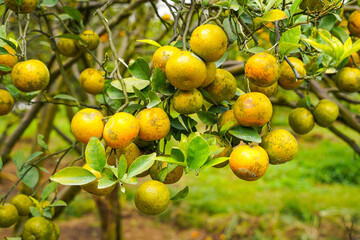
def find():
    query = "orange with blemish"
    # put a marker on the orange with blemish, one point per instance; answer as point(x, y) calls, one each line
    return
point(154, 124)
point(162, 55)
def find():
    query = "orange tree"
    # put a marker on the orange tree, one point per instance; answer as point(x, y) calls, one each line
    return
point(190, 104)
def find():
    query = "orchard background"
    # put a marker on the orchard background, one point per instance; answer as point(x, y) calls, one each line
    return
point(312, 196)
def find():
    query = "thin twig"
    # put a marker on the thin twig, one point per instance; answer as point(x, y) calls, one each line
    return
point(188, 24)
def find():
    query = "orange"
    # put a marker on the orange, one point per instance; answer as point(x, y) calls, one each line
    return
point(166, 17)
point(210, 74)
point(121, 129)
point(223, 88)
point(26, 6)
point(187, 102)
point(31, 75)
point(8, 59)
point(162, 55)
point(262, 69)
point(172, 177)
point(154, 124)
point(287, 79)
point(87, 123)
point(280, 145)
point(6, 102)
point(104, 37)
point(130, 152)
point(253, 109)
point(325, 113)
point(356, 58)
point(89, 39)
point(301, 120)
point(268, 91)
point(68, 47)
point(354, 23)
point(185, 71)
point(92, 187)
point(92, 81)
point(226, 117)
point(209, 42)
point(8, 215)
point(348, 80)
point(249, 162)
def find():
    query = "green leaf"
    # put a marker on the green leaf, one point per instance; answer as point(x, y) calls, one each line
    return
point(320, 47)
point(226, 127)
point(216, 161)
point(220, 62)
point(3, 51)
point(256, 50)
point(178, 155)
point(73, 176)
point(5, 68)
point(33, 156)
point(73, 13)
point(31, 178)
point(153, 99)
point(48, 3)
point(12, 238)
point(139, 94)
point(340, 33)
point(48, 189)
point(8, 42)
point(1, 163)
point(70, 36)
point(308, 102)
point(274, 15)
point(59, 203)
point(130, 83)
point(158, 79)
point(181, 195)
point(65, 97)
point(141, 164)
point(122, 167)
point(327, 22)
point(105, 183)
point(208, 118)
point(295, 6)
point(170, 160)
point(95, 154)
point(18, 158)
point(197, 153)
point(133, 107)
point(291, 36)
point(149, 41)
point(246, 133)
point(286, 47)
point(41, 142)
point(140, 69)
point(167, 89)
point(270, 4)
point(35, 212)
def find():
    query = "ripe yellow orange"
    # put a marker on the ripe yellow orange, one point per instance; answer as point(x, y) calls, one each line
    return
point(92, 81)
point(87, 123)
point(89, 39)
point(325, 113)
point(166, 17)
point(185, 71)
point(356, 58)
point(268, 91)
point(6, 102)
point(121, 129)
point(348, 80)
point(162, 55)
point(26, 6)
point(172, 177)
point(223, 88)
point(154, 124)
point(287, 79)
point(249, 162)
point(210, 74)
point(130, 152)
point(68, 47)
point(31, 75)
point(8, 59)
point(253, 109)
point(187, 102)
point(301, 120)
point(209, 42)
point(354, 23)
point(280, 145)
point(226, 117)
point(262, 69)
point(92, 187)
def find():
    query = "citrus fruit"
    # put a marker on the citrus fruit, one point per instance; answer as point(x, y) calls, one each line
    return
point(68, 47)
point(354, 23)
point(287, 79)
point(8, 59)
point(227, 117)
point(280, 145)
point(224, 153)
point(152, 197)
point(348, 80)
point(262, 69)
point(210, 74)
point(268, 91)
point(22, 204)
point(154, 124)
point(249, 162)
point(121, 129)
point(223, 88)
point(356, 58)
point(171, 177)
point(130, 152)
point(26, 6)
point(185, 70)
point(312, 5)
point(87, 123)
point(37, 228)
point(325, 113)
point(253, 109)
point(31, 75)
point(92, 187)
point(187, 101)
point(6, 102)
point(141, 143)
point(89, 39)
point(162, 55)
point(209, 42)
point(92, 81)
point(55, 234)
point(301, 120)
point(8, 215)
